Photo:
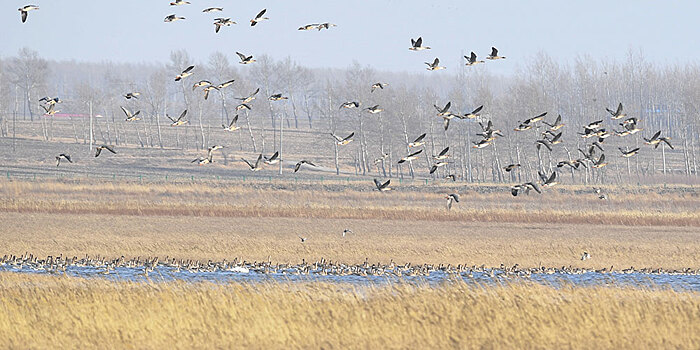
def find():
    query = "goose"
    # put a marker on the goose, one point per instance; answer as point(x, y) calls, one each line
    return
point(665, 140)
point(259, 17)
point(50, 110)
point(309, 26)
point(221, 22)
point(617, 114)
point(374, 109)
point(494, 55)
point(303, 239)
point(382, 187)
point(588, 133)
point(173, 18)
point(418, 141)
point(381, 159)
point(600, 162)
point(249, 98)
point(201, 83)
point(535, 118)
point(443, 154)
point(232, 125)
point(378, 86)
point(628, 153)
point(410, 157)
point(632, 120)
point(274, 159)
point(326, 25)
point(226, 84)
point(585, 256)
point(254, 167)
point(594, 125)
point(523, 127)
point(417, 45)
point(489, 135)
point(213, 9)
point(208, 89)
point(602, 134)
point(435, 65)
point(452, 197)
point(179, 2)
point(437, 165)
point(550, 181)
point(179, 121)
point(129, 116)
point(242, 106)
point(654, 139)
point(471, 60)
point(24, 11)
point(511, 167)
point(350, 105)
point(99, 149)
point(598, 145)
point(343, 141)
point(481, 144)
point(50, 101)
point(556, 139)
point(298, 165)
point(245, 59)
point(63, 156)
point(203, 161)
point(474, 114)
point(185, 73)
point(543, 142)
point(556, 125)
point(572, 163)
point(452, 177)
point(444, 110)
point(516, 189)
point(130, 95)
point(214, 148)
point(277, 97)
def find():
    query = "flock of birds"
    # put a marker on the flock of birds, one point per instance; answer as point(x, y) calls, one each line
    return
point(322, 267)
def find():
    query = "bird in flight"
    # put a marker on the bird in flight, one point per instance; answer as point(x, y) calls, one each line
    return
point(435, 65)
point(254, 167)
point(185, 73)
point(298, 165)
point(418, 141)
point(213, 9)
point(382, 187)
point(180, 120)
point(173, 18)
point(343, 141)
point(245, 59)
point(494, 55)
point(179, 2)
point(417, 45)
point(134, 95)
point(376, 86)
point(258, 18)
point(130, 117)
point(232, 125)
point(98, 150)
point(350, 105)
point(222, 22)
point(62, 156)
point(452, 198)
point(471, 60)
point(24, 11)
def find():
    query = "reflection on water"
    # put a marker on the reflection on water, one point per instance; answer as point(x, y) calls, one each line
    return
point(680, 282)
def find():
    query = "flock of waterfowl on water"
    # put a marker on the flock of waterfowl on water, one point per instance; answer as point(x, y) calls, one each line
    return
point(322, 267)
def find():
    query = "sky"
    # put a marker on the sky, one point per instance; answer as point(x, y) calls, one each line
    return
point(376, 33)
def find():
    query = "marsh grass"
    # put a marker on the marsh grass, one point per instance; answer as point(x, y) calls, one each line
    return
point(59, 311)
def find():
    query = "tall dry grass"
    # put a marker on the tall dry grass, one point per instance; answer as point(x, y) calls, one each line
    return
point(50, 312)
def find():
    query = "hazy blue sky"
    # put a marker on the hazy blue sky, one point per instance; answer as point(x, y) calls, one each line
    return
point(376, 33)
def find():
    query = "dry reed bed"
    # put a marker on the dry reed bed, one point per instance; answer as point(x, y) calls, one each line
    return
point(57, 311)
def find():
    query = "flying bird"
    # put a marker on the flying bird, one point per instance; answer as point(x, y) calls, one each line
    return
point(130, 117)
point(380, 86)
point(494, 55)
point(452, 197)
point(418, 141)
point(173, 18)
point(213, 9)
point(232, 125)
point(222, 22)
point(410, 157)
point(435, 65)
point(99, 149)
point(374, 109)
point(417, 45)
point(130, 95)
point(254, 167)
point(24, 11)
point(277, 97)
point(180, 120)
point(245, 59)
point(350, 105)
point(249, 98)
point(62, 156)
point(382, 187)
point(343, 141)
point(617, 114)
point(471, 60)
point(298, 165)
point(258, 18)
point(185, 73)
point(274, 159)
point(179, 2)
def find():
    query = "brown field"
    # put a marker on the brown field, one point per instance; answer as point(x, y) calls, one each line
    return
point(647, 227)
point(49, 312)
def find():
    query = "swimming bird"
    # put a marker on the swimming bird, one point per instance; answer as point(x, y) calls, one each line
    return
point(378, 86)
point(628, 153)
point(277, 97)
point(213, 9)
point(274, 159)
point(25, 10)
point(350, 105)
point(259, 17)
point(173, 18)
point(443, 154)
point(298, 165)
point(617, 114)
point(63, 156)
point(245, 59)
point(374, 109)
point(435, 65)
point(410, 157)
point(471, 60)
point(382, 187)
point(418, 141)
point(249, 98)
point(130, 95)
point(185, 73)
point(511, 167)
point(417, 45)
point(494, 55)
point(452, 197)
point(343, 141)
point(179, 121)
point(232, 125)
point(254, 167)
point(222, 22)
point(129, 116)
point(556, 125)
point(99, 149)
